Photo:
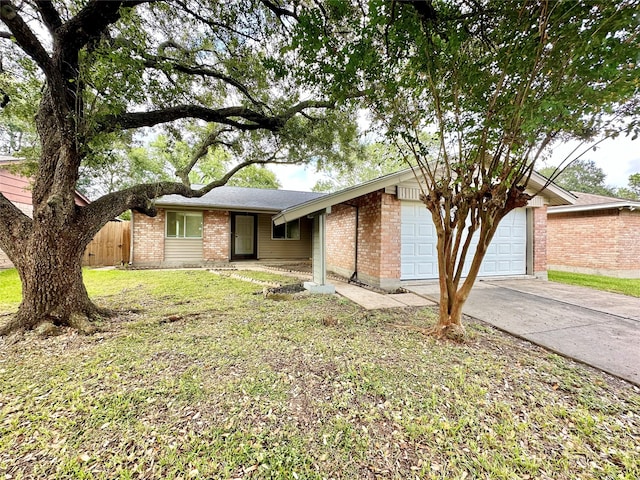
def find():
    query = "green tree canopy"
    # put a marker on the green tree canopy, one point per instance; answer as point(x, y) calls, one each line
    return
point(581, 176)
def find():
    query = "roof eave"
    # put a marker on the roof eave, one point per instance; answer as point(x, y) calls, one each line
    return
point(208, 206)
point(557, 195)
point(596, 206)
point(323, 203)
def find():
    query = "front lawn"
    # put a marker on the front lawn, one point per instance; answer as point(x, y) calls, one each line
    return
point(626, 286)
point(98, 283)
point(201, 376)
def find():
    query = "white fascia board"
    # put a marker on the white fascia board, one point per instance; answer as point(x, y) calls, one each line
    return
point(555, 194)
point(208, 206)
point(596, 206)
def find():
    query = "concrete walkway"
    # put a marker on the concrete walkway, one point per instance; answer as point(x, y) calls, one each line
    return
point(597, 328)
point(373, 301)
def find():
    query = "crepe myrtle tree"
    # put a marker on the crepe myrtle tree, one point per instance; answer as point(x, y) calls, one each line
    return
point(496, 83)
point(109, 68)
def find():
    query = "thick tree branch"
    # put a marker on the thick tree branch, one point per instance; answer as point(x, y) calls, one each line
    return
point(141, 197)
point(160, 62)
point(23, 35)
point(49, 14)
point(201, 151)
point(227, 116)
point(231, 116)
point(278, 10)
point(13, 225)
point(90, 22)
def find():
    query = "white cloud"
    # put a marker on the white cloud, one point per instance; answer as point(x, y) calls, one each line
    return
point(295, 177)
point(618, 158)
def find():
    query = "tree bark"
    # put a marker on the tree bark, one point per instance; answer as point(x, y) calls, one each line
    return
point(50, 269)
point(451, 260)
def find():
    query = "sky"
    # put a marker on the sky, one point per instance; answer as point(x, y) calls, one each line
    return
point(618, 158)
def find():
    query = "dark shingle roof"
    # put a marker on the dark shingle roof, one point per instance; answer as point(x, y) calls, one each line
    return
point(241, 198)
point(593, 199)
point(586, 202)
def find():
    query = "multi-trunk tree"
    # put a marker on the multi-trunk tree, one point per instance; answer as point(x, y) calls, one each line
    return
point(496, 82)
point(107, 68)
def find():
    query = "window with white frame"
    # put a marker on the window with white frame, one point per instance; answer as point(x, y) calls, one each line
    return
point(286, 231)
point(184, 224)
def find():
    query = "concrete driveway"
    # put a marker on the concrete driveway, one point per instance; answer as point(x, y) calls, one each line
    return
point(597, 328)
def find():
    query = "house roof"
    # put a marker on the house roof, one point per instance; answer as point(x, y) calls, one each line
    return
point(242, 198)
point(586, 202)
point(554, 194)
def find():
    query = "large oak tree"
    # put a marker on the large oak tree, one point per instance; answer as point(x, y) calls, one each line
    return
point(108, 68)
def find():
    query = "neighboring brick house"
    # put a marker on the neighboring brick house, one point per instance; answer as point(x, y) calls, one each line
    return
point(17, 189)
point(597, 235)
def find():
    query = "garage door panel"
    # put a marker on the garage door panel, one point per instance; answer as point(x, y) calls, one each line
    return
point(408, 230)
point(506, 255)
point(409, 250)
point(505, 248)
point(425, 230)
point(425, 249)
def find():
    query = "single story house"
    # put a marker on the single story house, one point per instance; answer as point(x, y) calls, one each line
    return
point(17, 189)
point(377, 232)
point(596, 235)
point(226, 224)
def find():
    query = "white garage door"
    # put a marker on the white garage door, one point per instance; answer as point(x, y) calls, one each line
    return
point(507, 253)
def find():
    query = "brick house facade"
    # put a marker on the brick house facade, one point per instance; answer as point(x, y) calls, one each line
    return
point(148, 235)
point(155, 246)
point(379, 240)
point(540, 230)
point(366, 224)
point(362, 231)
point(599, 235)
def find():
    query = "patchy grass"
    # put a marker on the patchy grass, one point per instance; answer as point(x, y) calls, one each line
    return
point(200, 377)
point(10, 290)
point(267, 276)
point(98, 283)
point(626, 286)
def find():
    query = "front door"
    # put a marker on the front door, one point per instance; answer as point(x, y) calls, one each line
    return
point(243, 236)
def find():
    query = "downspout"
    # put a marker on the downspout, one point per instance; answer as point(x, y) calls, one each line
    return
point(354, 276)
point(131, 240)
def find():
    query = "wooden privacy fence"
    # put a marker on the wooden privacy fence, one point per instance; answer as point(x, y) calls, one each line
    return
point(111, 246)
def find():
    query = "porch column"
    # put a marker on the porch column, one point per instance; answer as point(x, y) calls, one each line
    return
point(318, 259)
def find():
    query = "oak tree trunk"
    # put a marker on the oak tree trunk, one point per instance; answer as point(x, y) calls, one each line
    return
point(50, 269)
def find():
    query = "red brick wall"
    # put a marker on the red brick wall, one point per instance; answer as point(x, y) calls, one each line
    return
point(378, 239)
point(540, 240)
point(341, 239)
point(148, 238)
point(600, 242)
point(390, 239)
point(216, 236)
point(629, 243)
